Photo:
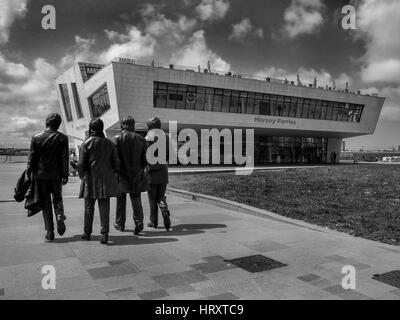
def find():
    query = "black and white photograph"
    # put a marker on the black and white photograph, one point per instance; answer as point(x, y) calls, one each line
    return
point(206, 153)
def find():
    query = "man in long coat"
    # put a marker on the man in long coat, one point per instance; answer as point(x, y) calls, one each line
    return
point(48, 162)
point(98, 168)
point(131, 149)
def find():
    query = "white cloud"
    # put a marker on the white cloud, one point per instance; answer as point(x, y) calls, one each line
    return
point(25, 100)
point(10, 10)
point(244, 29)
point(20, 123)
point(81, 52)
point(212, 9)
point(387, 71)
point(11, 69)
point(303, 17)
point(307, 76)
point(133, 44)
point(163, 28)
point(41, 82)
point(391, 108)
point(196, 53)
point(379, 20)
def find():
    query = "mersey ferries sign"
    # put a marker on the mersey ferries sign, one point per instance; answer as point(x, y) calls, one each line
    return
point(275, 121)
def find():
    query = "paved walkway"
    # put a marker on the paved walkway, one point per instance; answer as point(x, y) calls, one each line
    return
point(196, 260)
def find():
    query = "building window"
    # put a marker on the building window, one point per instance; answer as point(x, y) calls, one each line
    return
point(299, 107)
point(250, 103)
point(160, 96)
point(65, 100)
point(188, 97)
point(209, 99)
point(293, 107)
point(99, 102)
point(226, 100)
point(235, 106)
point(324, 110)
point(78, 106)
point(217, 100)
point(306, 108)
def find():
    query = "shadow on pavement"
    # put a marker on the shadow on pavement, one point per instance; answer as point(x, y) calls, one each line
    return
point(117, 240)
point(183, 229)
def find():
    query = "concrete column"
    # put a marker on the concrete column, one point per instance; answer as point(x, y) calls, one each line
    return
point(334, 145)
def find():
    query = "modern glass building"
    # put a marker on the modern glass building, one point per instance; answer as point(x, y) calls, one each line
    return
point(293, 122)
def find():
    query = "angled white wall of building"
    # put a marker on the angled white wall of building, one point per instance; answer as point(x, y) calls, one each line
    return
point(134, 85)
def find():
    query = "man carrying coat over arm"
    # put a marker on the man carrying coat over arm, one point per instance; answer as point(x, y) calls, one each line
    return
point(98, 167)
point(48, 163)
point(131, 148)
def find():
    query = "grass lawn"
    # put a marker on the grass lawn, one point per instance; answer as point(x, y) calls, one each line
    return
point(362, 200)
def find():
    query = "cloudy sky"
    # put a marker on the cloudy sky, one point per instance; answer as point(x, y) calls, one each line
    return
point(254, 37)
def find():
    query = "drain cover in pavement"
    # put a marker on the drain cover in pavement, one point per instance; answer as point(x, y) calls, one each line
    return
point(257, 263)
point(391, 278)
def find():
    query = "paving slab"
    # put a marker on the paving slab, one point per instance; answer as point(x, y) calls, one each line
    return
point(189, 262)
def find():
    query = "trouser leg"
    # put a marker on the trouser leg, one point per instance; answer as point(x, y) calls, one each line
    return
point(57, 198)
point(161, 188)
point(137, 208)
point(161, 198)
point(104, 208)
point(152, 195)
point(89, 213)
point(162, 203)
point(120, 215)
point(47, 208)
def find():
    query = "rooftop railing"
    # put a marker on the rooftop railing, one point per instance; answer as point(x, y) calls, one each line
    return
point(211, 71)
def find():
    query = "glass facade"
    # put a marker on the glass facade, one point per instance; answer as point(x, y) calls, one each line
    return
point(288, 150)
point(65, 100)
point(275, 150)
point(78, 106)
point(180, 96)
point(99, 102)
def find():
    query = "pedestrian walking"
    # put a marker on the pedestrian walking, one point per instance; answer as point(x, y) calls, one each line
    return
point(131, 148)
point(98, 168)
point(158, 178)
point(48, 162)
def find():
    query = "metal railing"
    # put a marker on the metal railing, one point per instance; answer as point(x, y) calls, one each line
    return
point(215, 72)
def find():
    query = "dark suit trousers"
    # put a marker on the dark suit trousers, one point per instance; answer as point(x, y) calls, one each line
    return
point(50, 193)
point(120, 216)
point(156, 194)
point(104, 208)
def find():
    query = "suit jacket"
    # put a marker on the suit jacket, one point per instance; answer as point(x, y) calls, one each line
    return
point(48, 156)
point(98, 168)
point(131, 148)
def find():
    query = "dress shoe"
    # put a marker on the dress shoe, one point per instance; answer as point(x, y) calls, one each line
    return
point(119, 227)
point(152, 225)
point(138, 228)
point(104, 238)
point(85, 236)
point(61, 225)
point(49, 236)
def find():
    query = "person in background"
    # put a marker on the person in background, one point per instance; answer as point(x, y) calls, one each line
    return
point(131, 148)
point(48, 161)
point(7, 154)
point(98, 168)
point(73, 162)
point(158, 178)
point(355, 159)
